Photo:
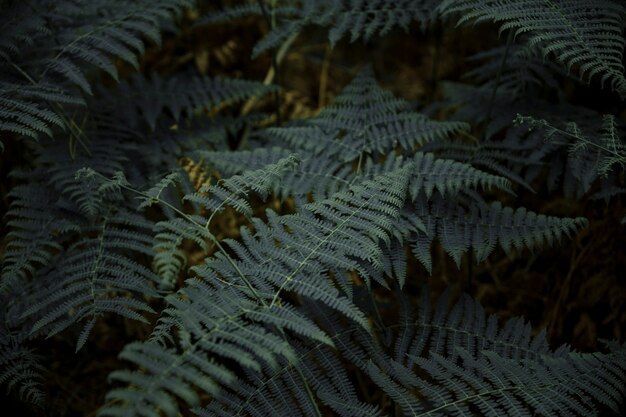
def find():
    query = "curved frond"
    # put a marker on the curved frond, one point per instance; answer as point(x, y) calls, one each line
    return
point(234, 311)
point(586, 35)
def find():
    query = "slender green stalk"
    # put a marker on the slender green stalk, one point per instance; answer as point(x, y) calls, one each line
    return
point(271, 21)
point(509, 41)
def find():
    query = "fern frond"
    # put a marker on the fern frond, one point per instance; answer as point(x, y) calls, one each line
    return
point(32, 241)
point(319, 176)
point(223, 313)
point(506, 157)
point(582, 34)
point(20, 114)
point(21, 26)
point(233, 192)
point(111, 33)
point(436, 361)
point(483, 227)
point(590, 156)
point(460, 361)
point(363, 119)
point(281, 391)
point(94, 277)
point(524, 70)
point(359, 19)
point(148, 98)
point(364, 19)
point(447, 177)
point(22, 370)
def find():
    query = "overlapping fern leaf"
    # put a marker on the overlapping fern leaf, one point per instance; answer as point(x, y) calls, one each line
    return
point(96, 276)
point(232, 192)
point(150, 98)
point(106, 31)
point(235, 309)
point(463, 361)
point(362, 19)
point(365, 122)
point(482, 227)
point(590, 156)
point(434, 361)
point(586, 35)
point(74, 249)
point(363, 119)
point(22, 368)
point(47, 55)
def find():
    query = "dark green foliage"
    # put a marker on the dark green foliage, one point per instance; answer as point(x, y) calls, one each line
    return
point(284, 318)
point(585, 34)
point(49, 47)
point(436, 361)
point(361, 19)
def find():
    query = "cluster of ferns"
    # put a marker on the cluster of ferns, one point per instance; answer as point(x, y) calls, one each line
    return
point(284, 319)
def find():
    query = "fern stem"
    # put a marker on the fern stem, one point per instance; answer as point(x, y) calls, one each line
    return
point(434, 71)
point(613, 152)
point(239, 272)
point(321, 95)
point(358, 168)
point(509, 41)
point(200, 225)
point(60, 111)
point(271, 21)
point(470, 267)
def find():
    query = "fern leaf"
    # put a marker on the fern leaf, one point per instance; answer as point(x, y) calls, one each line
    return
point(32, 241)
point(108, 36)
point(483, 227)
point(154, 193)
point(233, 192)
point(459, 361)
point(364, 118)
point(225, 312)
point(362, 19)
point(582, 34)
point(22, 370)
point(320, 176)
point(590, 156)
point(91, 279)
point(149, 98)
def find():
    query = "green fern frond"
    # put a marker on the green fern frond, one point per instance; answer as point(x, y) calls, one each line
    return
point(108, 35)
point(263, 393)
point(319, 176)
point(358, 19)
point(364, 19)
point(18, 114)
point(32, 241)
point(582, 34)
point(363, 119)
point(22, 368)
point(221, 314)
point(94, 276)
point(461, 360)
point(20, 27)
point(447, 177)
point(436, 361)
point(148, 98)
point(233, 192)
point(590, 155)
point(483, 227)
